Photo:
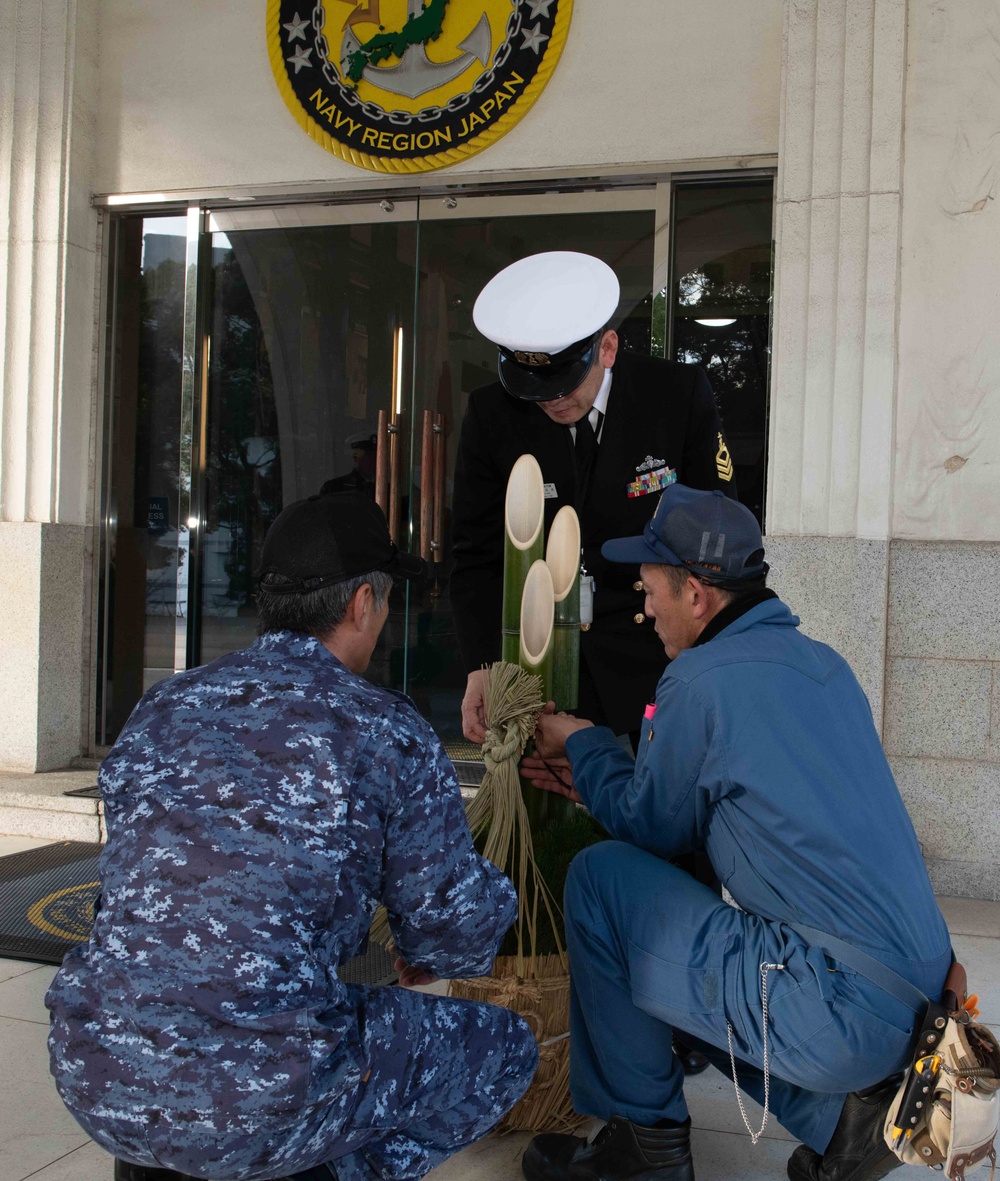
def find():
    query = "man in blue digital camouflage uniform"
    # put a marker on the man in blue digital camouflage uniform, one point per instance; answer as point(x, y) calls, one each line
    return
point(759, 746)
point(258, 810)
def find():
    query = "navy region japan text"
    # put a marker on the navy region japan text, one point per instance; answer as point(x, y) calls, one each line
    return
point(361, 133)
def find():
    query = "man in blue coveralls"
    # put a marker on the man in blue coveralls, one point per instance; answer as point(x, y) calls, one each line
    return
point(759, 747)
point(258, 810)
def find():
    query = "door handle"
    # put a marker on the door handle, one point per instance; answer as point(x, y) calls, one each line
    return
point(395, 458)
point(382, 442)
point(437, 538)
point(428, 486)
point(388, 461)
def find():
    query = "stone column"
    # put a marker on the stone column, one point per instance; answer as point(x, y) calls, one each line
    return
point(834, 373)
point(48, 255)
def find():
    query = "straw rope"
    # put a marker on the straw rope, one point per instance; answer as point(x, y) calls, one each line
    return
point(512, 704)
point(543, 1001)
point(533, 985)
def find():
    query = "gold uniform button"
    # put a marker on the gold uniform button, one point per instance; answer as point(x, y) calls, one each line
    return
point(639, 617)
point(637, 585)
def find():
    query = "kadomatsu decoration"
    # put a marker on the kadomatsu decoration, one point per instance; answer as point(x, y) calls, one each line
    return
point(533, 835)
point(402, 86)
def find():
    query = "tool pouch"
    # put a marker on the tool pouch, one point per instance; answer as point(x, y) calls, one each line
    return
point(951, 1117)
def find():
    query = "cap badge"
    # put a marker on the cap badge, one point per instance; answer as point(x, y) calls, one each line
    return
point(533, 359)
point(723, 461)
point(649, 463)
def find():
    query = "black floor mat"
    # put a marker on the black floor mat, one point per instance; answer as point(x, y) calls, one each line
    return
point(47, 900)
point(47, 908)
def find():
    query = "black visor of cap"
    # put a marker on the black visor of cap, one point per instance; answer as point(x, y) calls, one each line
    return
point(543, 377)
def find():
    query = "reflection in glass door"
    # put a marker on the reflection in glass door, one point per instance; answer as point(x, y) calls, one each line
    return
point(721, 287)
point(310, 338)
point(144, 541)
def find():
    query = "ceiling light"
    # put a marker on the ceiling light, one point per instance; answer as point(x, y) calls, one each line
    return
point(135, 198)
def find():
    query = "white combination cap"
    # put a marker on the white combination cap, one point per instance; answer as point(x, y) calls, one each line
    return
point(546, 302)
point(544, 313)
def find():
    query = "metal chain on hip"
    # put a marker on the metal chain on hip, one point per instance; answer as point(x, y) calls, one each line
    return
point(373, 111)
point(755, 1136)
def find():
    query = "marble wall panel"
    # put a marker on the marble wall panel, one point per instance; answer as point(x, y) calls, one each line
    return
point(943, 600)
point(837, 587)
point(953, 807)
point(41, 635)
point(938, 708)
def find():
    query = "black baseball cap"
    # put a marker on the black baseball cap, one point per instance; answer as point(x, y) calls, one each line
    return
point(708, 533)
point(329, 538)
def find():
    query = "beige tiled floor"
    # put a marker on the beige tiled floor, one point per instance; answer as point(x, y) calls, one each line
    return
point(38, 1139)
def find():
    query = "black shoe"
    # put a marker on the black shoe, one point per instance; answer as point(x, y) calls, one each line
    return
point(857, 1150)
point(621, 1150)
point(693, 1061)
point(126, 1172)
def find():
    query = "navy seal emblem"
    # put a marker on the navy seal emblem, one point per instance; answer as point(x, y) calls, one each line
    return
point(410, 85)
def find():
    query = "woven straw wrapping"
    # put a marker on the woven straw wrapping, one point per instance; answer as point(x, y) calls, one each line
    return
point(543, 1001)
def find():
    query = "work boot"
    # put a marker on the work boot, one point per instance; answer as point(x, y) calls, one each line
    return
point(857, 1150)
point(621, 1151)
point(693, 1061)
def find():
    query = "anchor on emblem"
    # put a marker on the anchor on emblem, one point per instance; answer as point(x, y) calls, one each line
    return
point(415, 74)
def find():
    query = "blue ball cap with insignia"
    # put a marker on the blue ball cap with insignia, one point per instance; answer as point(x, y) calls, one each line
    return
point(545, 314)
point(710, 534)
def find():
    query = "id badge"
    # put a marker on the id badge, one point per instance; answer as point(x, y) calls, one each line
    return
point(586, 601)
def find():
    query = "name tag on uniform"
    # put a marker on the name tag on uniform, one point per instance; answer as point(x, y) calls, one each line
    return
point(647, 482)
point(550, 492)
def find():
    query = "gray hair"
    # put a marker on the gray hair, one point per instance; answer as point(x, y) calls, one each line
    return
point(316, 612)
point(730, 592)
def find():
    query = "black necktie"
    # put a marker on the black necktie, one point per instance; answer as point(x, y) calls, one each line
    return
point(586, 443)
point(585, 451)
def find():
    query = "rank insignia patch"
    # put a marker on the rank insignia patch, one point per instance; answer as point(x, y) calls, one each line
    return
point(723, 461)
point(648, 482)
point(410, 85)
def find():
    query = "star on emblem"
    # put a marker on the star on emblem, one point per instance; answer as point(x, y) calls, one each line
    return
point(538, 8)
point(297, 28)
point(300, 58)
point(534, 38)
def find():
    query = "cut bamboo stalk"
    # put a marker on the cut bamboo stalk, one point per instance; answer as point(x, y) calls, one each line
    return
point(537, 625)
point(524, 540)
point(538, 610)
point(562, 555)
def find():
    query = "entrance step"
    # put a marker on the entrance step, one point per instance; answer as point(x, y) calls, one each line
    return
point(37, 806)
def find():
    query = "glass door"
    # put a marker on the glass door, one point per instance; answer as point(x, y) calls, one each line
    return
point(464, 241)
point(309, 353)
point(261, 355)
